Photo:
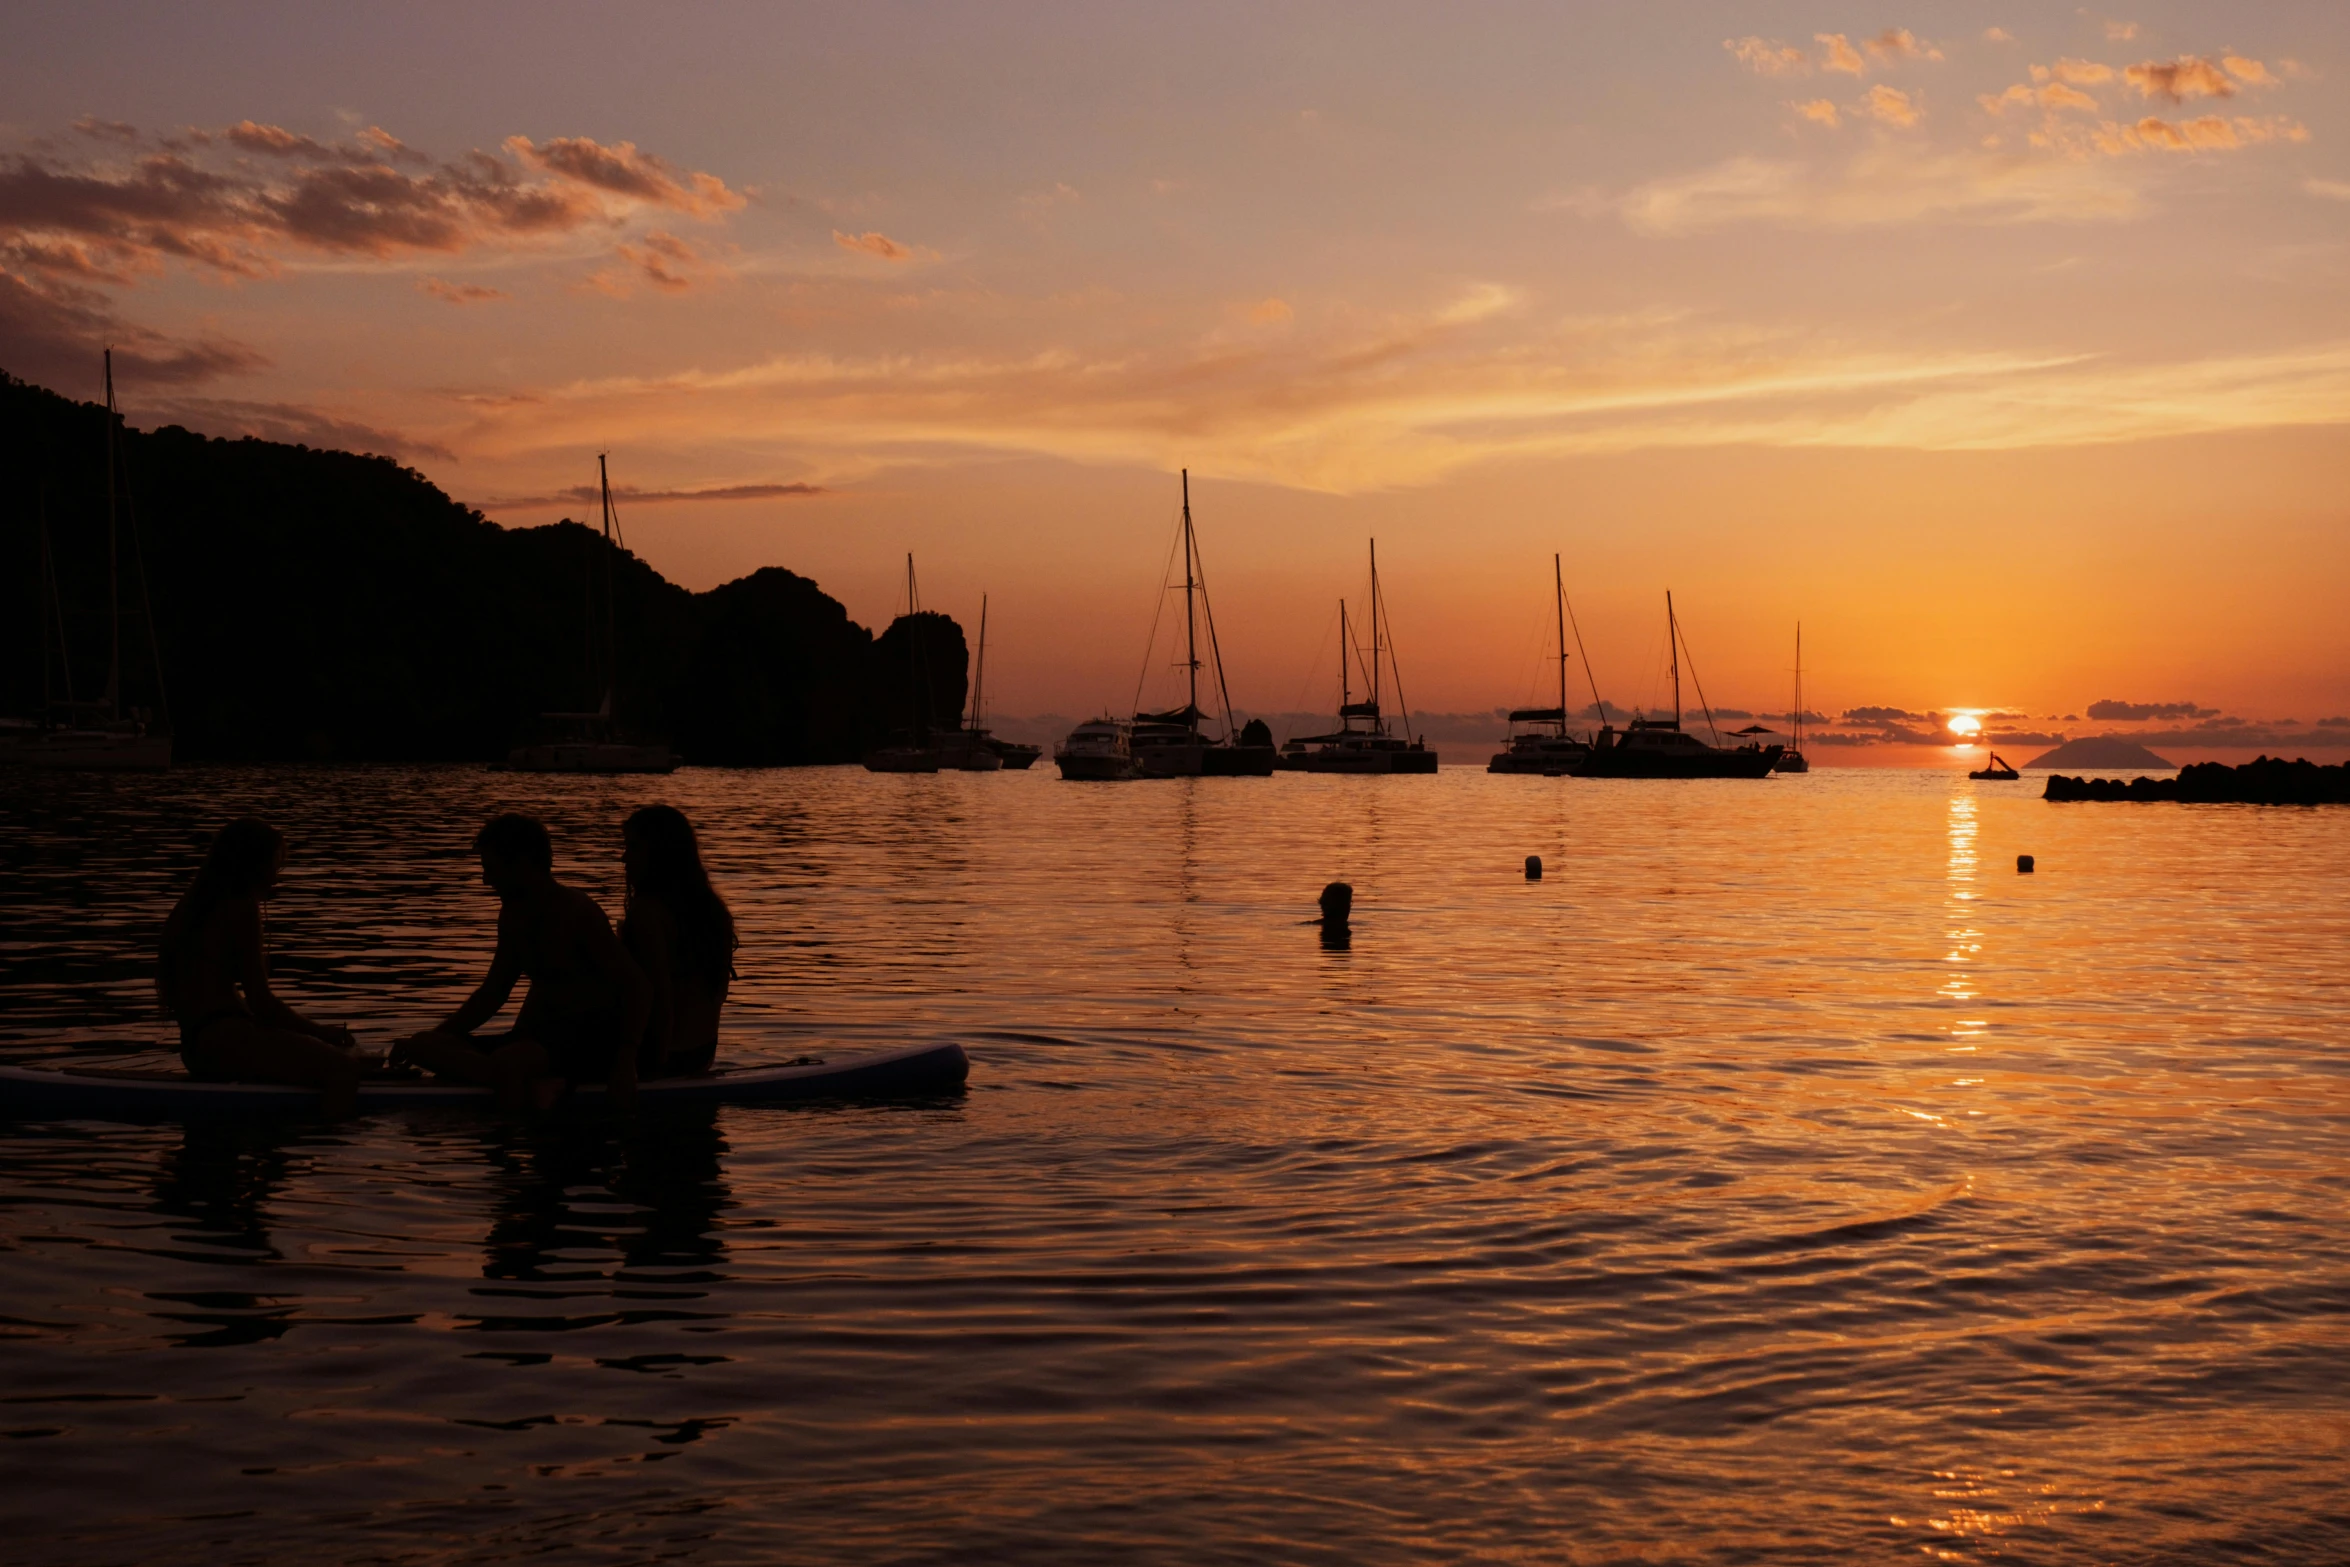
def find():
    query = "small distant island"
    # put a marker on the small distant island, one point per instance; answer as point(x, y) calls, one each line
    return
point(2097, 751)
point(2267, 780)
point(318, 605)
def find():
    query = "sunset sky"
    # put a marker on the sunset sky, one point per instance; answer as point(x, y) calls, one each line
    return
point(2006, 348)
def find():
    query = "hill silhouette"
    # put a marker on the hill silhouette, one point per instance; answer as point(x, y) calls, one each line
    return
point(320, 605)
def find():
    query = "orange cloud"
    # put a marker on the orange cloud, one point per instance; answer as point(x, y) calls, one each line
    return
point(873, 243)
point(1768, 57)
point(1891, 105)
point(2251, 71)
point(2056, 95)
point(458, 293)
point(1840, 55)
point(1271, 312)
point(2000, 103)
point(624, 171)
point(2121, 32)
point(2180, 79)
point(1899, 43)
point(2081, 73)
point(2210, 132)
point(1997, 35)
point(1819, 110)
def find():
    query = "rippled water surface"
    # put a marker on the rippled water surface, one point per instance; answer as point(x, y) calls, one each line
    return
point(1781, 1178)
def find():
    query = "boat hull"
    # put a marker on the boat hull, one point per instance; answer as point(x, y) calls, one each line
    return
point(1086, 767)
point(67, 1093)
point(1017, 758)
point(1794, 762)
point(901, 759)
point(1361, 763)
point(97, 752)
point(1632, 763)
point(590, 756)
point(1550, 762)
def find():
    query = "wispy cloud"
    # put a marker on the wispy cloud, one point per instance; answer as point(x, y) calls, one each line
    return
point(873, 243)
point(1768, 56)
point(1837, 54)
point(588, 495)
point(2178, 80)
point(1411, 399)
point(458, 293)
point(1891, 105)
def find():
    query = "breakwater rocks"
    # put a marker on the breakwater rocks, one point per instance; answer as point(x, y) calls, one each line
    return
point(2268, 780)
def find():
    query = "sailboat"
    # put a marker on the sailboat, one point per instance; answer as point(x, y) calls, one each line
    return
point(1792, 760)
point(1363, 742)
point(1998, 772)
point(975, 749)
point(1660, 748)
point(593, 742)
point(1548, 747)
point(105, 734)
point(1170, 744)
point(916, 752)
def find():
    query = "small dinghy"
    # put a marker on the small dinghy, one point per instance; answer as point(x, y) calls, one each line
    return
point(1998, 771)
point(65, 1091)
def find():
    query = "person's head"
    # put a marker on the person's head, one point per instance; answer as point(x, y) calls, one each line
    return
point(244, 862)
point(664, 863)
point(515, 851)
point(1338, 901)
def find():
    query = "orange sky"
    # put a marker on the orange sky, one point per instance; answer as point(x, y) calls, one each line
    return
point(2012, 359)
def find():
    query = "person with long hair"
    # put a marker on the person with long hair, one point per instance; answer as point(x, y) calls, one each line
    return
point(682, 935)
point(212, 976)
point(587, 1002)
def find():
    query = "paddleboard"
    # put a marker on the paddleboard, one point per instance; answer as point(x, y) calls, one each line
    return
point(66, 1091)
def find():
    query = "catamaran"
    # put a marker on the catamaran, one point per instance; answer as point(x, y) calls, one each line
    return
point(1363, 742)
point(1660, 748)
point(1170, 744)
point(105, 734)
point(1549, 747)
point(594, 742)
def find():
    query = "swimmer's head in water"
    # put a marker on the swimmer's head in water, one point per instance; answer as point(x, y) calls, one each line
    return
point(513, 845)
point(1338, 901)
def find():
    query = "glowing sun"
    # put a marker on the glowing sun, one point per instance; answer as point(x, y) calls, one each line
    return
point(1966, 726)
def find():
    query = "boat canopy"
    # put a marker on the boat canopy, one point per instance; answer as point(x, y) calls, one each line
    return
point(1358, 710)
point(1188, 715)
point(1538, 715)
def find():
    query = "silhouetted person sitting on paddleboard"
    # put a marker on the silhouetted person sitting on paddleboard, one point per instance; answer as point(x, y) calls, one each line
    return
point(587, 1003)
point(681, 934)
point(212, 976)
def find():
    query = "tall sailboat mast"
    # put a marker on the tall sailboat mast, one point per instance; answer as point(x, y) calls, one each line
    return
point(1673, 650)
point(1346, 653)
point(1558, 580)
point(113, 564)
point(1190, 623)
point(979, 671)
point(1375, 624)
point(611, 598)
point(1799, 685)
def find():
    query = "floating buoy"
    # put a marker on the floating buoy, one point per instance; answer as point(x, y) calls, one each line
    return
point(2023, 865)
point(1534, 867)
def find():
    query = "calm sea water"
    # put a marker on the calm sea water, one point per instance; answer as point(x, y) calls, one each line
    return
point(1781, 1178)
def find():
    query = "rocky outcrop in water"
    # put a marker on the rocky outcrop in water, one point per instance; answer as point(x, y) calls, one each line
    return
point(2267, 780)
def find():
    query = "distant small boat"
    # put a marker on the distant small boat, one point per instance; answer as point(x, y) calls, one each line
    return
point(902, 759)
point(1553, 754)
point(1363, 742)
point(1098, 751)
point(594, 742)
point(1792, 760)
point(974, 749)
point(1998, 771)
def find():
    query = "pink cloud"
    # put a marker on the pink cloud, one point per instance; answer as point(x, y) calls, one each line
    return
point(873, 243)
point(2180, 79)
point(1768, 57)
point(1839, 54)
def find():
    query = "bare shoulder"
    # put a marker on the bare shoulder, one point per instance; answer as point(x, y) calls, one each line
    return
point(584, 909)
